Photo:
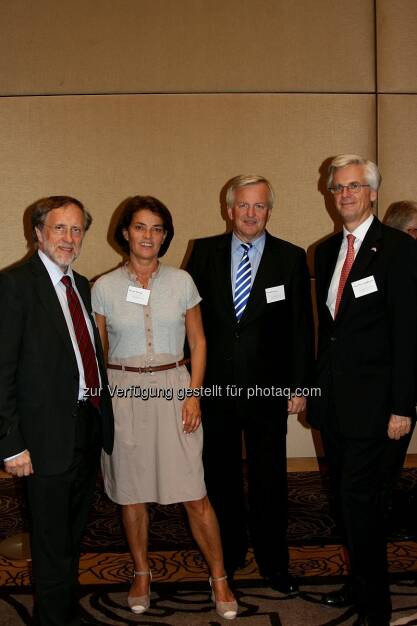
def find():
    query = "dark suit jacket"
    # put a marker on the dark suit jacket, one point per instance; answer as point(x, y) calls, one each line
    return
point(271, 346)
point(367, 356)
point(39, 376)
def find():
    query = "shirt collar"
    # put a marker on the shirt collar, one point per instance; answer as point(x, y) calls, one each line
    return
point(361, 230)
point(236, 242)
point(54, 271)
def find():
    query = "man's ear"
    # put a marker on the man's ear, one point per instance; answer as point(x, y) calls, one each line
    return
point(38, 232)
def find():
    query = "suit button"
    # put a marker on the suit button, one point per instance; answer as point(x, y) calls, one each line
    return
point(332, 338)
point(236, 335)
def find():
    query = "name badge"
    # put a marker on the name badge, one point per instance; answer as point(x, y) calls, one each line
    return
point(364, 286)
point(138, 295)
point(274, 294)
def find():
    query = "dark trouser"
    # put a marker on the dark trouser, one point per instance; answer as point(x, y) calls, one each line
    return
point(356, 468)
point(393, 461)
point(267, 487)
point(59, 507)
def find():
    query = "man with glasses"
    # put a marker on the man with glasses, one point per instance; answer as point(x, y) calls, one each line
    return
point(366, 279)
point(257, 319)
point(55, 409)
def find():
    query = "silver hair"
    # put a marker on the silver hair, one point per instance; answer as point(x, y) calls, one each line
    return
point(243, 181)
point(399, 214)
point(371, 171)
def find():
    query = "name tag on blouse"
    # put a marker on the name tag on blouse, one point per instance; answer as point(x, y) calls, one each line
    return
point(138, 295)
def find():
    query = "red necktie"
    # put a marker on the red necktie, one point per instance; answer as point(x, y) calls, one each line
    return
point(347, 266)
point(85, 345)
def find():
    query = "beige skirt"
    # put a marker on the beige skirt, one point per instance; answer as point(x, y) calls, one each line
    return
point(152, 460)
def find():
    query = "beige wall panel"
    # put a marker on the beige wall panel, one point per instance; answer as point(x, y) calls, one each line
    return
point(179, 148)
point(136, 46)
point(302, 441)
point(397, 45)
point(397, 143)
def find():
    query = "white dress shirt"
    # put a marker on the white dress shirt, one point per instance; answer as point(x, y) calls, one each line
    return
point(359, 234)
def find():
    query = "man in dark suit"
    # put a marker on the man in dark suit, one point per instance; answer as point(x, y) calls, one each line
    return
point(53, 418)
point(257, 319)
point(366, 298)
point(403, 216)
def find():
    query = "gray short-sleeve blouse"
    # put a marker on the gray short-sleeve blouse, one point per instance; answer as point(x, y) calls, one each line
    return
point(136, 330)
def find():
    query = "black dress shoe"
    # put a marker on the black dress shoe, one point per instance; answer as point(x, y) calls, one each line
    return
point(285, 583)
point(401, 534)
point(364, 620)
point(340, 598)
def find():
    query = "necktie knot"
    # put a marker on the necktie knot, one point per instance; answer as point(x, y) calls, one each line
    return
point(246, 247)
point(67, 281)
point(351, 240)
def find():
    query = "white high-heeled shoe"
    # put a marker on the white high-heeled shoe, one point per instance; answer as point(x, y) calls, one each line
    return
point(227, 610)
point(140, 604)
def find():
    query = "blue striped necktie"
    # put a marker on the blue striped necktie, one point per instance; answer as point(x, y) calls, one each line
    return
point(243, 282)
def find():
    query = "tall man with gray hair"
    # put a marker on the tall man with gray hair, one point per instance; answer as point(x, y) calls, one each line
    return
point(366, 279)
point(257, 319)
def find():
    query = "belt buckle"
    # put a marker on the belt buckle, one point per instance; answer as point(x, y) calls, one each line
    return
point(146, 370)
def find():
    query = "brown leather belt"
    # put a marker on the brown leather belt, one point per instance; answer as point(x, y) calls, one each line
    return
point(149, 369)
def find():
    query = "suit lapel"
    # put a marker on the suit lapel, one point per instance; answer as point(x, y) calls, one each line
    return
point(325, 273)
point(85, 296)
point(370, 247)
point(222, 270)
point(329, 266)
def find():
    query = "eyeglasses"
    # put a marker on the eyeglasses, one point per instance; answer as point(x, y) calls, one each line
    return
point(258, 206)
point(60, 229)
point(352, 187)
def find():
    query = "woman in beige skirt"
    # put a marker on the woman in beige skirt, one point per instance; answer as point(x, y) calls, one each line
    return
point(144, 310)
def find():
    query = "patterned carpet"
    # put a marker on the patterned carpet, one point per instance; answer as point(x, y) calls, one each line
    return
point(310, 517)
point(180, 595)
point(190, 605)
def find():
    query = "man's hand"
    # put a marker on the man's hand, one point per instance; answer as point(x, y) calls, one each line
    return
point(398, 426)
point(19, 466)
point(296, 404)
